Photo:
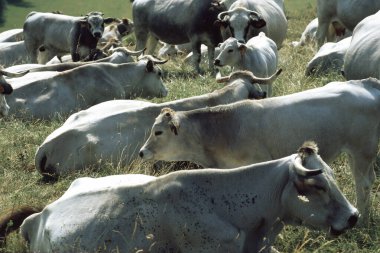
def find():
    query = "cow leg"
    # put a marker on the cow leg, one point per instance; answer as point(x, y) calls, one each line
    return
point(151, 45)
point(364, 176)
point(33, 51)
point(196, 49)
point(141, 39)
point(322, 30)
point(211, 57)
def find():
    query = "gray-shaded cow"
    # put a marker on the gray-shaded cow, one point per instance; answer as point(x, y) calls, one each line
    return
point(62, 34)
point(178, 22)
point(210, 210)
point(340, 117)
point(13, 53)
point(114, 131)
point(329, 58)
point(259, 55)
point(79, 88)
point(347, 13)
point(363, 55)
point(247, 18)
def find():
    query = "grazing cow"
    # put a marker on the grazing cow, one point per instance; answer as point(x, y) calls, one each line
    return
point(247, 18)
point(329, 58)
point(259, 55)
point(225, 137)
point(363, 55)
point(347, 13)
point(13, 53)
point(113, 132)
point(193, 210)
point(12, 35)
point(178, 22)
point(84, 86)
point(336, 32)
point(62, 34)
point(6, 89)
point(116, 31)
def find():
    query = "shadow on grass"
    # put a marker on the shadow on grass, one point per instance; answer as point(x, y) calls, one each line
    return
point(20, 3)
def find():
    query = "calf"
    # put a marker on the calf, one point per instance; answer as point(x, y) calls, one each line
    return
point(63, 34)
point(259, 55)
point(245, 132)
point(114, 131)
point(210, 210)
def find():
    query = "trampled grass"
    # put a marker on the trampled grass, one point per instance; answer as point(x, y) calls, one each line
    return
point(20, 184)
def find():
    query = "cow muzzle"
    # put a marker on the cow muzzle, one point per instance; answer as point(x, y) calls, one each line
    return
point(351, 222)
point(218, 63)
point(145, 154)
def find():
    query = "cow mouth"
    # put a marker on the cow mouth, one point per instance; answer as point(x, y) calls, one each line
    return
point(335, 232)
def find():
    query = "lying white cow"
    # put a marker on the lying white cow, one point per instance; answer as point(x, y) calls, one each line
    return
point(208, 210)
point(259, 55)
point(81, 87)
point(363, 56)
point(13, 53)
point(336, 32)
point(347, 13)
point(247, 18)
point(245, 132)
point(114, 131)
point(12, 35)
point(5, 89)
point(329, 58)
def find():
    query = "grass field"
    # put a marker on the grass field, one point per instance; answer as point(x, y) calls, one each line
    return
point(20, 183)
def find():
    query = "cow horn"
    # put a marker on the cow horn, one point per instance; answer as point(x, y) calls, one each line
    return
point(12, 74)
point(127, 51)
point(222, 15)
point(266, 80)
point(302, 171)
point(222, 79)
point(153, 59)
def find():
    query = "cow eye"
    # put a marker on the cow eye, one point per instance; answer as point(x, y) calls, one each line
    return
point(157, 133)
point(230, 50)
point(320, 188)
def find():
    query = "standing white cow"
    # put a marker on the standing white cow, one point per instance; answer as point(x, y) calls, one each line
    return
point(329, 58)
point(363, 55)
point(114, 131)
point(259, 55)
point(245, 132)
point(247, 18)
point(61, 34)
point(84, 86)
point(208, 210)
point(348, 13)
point(178, 22)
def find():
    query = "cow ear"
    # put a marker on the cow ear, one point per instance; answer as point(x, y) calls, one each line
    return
point(259, 23)
point(110, 20)
point(1, 89)
point(149, 66)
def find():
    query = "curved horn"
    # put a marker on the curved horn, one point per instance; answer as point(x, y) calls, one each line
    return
point(222, 15)
point(266, 80)
point(223, 79)
point(126, 51)
point(153, 59)
point(11, 74)
point(302, 171)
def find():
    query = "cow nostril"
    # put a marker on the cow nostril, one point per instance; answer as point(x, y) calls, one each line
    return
point(43, 163)
point(353, 220)
point(241, 41)
point(217, 62)
point(141, 154)
point(97, 35)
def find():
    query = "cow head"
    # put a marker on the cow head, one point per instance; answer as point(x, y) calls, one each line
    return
point(6, 89)
point(239, 23)
point(312, 197)
point(231, 53)
point(125, 27)
point(94, 21)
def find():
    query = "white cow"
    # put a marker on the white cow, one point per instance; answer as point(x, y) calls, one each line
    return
point(363, 55)
point(192, 210)
point(259, 55)
point(247, 18)
point(245, 132)
point(12, 35)
point(79, 88)
point(114, 131)
point(336, 32)
point(62, 34)
point(13, 53)
point(329, 58)
point(347, 13)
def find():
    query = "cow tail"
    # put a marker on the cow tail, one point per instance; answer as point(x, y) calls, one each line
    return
point(12, 220)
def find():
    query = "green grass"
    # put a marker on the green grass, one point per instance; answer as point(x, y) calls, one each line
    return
point(20, 183)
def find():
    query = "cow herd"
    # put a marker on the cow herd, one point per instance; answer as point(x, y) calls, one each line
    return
point(264, 158)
